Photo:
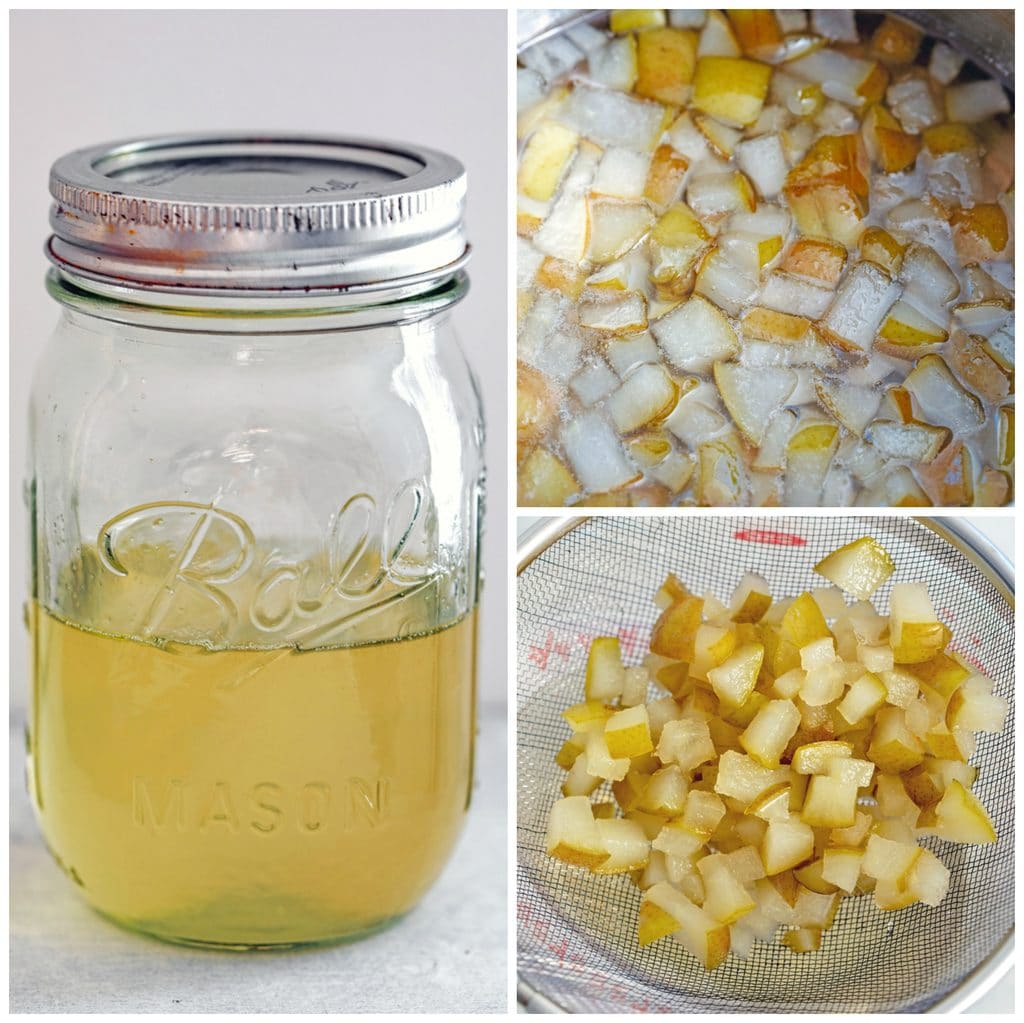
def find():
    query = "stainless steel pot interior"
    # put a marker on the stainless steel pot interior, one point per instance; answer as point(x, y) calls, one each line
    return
point(577, 945)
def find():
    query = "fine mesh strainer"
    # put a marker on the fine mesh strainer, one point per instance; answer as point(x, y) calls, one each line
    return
point(577, 944)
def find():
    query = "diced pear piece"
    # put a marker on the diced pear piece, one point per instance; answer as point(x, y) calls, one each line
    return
point(767, 736)
point(980, 232)
point(570, 750)
point(545, 481)
point(862, 699)
point(841, 867)
point(913, 441)
point(816, 757)
point(808, 456)
point(595, 453)
point(615, 227)
point(588, 716)
point(889, 861)
point(703, 813)
point(725, 898)
point(695, 335)
point(605, 672)
point(857, 568)
point(880, 248)
point(687, 743)
point(916, 634)
point(973, 102)
point(666, 58)
point(579, 781)
point(646, 396)
point(724, 283)
point(676, 242)
point(751, 599)
point(771, 325)
point(787, 844)
point(895, 41)
point(928, 880)
point(712, 194)
point(802, 939)
point(700, 933)
point(772, 804)
point(975, 707)
point(545, 159)
point(817, 260)
point(905, 327)
point(572, 834)
point(891, 148)
point(675, 631)
point(830, 802)
point(614, 63)
point(803, 623)
point(627, 846)
point(734, 680)
point(611, 118)
point(763, 161)
point(717, 38)
point(620, 21)
point(742, 778)
point(752, 395)
point(731, 90)
point(628, 734)
point(665, 175)
point(600, 762)
point(854, 407)
point(864, 298)
point(665, 793)
point(893, 747)
point(621, 174)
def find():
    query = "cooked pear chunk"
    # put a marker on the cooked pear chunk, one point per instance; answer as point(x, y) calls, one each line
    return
point(572, 833)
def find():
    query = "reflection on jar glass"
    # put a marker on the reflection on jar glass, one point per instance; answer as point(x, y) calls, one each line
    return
point(256, 482)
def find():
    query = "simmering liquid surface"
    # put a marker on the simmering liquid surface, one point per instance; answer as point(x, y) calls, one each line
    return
point(248, 797)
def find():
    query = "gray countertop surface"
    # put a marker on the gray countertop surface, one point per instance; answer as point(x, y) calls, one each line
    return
point(449, 955)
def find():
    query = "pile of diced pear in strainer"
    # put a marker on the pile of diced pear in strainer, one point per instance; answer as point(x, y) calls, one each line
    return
point(790, 763)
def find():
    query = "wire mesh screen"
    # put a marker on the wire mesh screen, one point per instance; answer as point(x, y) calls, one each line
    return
point(577, 931)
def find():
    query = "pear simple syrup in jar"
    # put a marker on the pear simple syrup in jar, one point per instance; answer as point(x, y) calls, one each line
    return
point(256, 486)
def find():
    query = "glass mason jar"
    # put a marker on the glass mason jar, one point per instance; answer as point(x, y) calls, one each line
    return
point(256, 485)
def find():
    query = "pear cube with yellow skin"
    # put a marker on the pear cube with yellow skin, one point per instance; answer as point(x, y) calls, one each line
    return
point(803, 623)
point(960, 817)
point(857, 568)
point(889, 861)
point(773, 804)
point(841, 867)
point(864, 697)
point(817, 757)
point(699, 932)
point(579, 781)
point(853, 836)
point(588, 716)
point(724, 897)
point(732, 90)
point(627, 846)
point(600, 762)
point(742, 778)
point(713, 645)
point(570, 750)
point(751, 600)
point(572, 834)
point(666, 59)
point(547, 155)
point(905, 327)
point(605, 671)
point(768, 734)
point(830, 802)
point(734, 680)
point(974, 707)
point(787, 844)
point(675, 631)
point(803, 939)
point(628, 733)
point(893, 747)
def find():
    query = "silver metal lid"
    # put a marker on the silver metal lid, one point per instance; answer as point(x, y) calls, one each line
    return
point(257, 215)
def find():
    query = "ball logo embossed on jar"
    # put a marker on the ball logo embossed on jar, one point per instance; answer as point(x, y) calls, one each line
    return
point(213, 554)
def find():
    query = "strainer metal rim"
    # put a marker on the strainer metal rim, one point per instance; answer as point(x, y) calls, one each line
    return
point(999, 570)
